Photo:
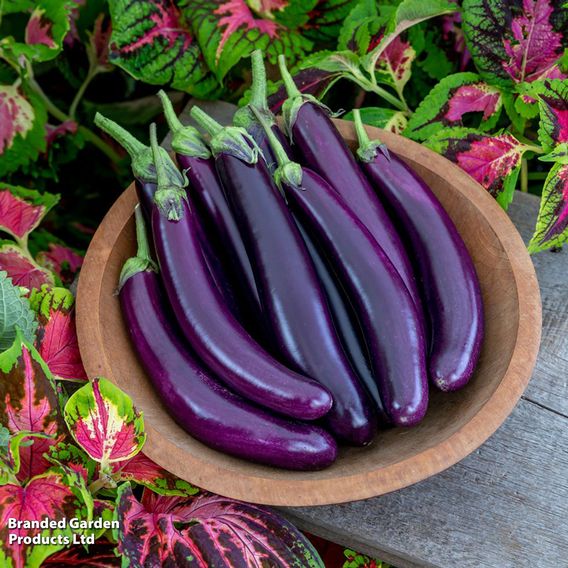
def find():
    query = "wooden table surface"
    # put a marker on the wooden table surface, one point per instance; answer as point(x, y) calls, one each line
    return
point(505, 505)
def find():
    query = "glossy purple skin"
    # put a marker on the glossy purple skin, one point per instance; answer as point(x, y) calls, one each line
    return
point(259, 135)
point(450, 285)
point(145, 191)
point(346, 326)
point(324, 151)
point(216, 335)
point(200, 404)
point(212, 208)
point(391, 325)
point(292, 297)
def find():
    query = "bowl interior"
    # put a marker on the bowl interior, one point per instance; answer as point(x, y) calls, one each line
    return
point(398, 457)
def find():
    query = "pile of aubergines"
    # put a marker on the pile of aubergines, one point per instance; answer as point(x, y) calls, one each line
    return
point(288, 295)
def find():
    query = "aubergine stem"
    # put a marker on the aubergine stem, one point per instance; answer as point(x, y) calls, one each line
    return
point(367, 149)
point(170, 194)
point(291, 88)
point(232, 139)
point(186, 140)
point(143, 260)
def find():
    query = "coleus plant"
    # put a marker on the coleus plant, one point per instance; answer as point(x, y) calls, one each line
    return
point(71, 449)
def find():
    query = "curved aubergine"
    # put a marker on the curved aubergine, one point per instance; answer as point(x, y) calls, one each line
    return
point(450, 284)
point(292, 297)
point(212, 208)
point(197, 401)
point(246, 118)
point(391, 324)
point(146, 184)
point(324, 151)
point(213, 332)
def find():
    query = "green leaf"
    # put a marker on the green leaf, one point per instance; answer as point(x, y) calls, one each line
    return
point(385, 118)
point(553, 110)
point(451, 99)
point(15, 313)
point(153, 42)
point(552, 222)
point(292, 14)
point(228, 31)
point(357, 29)
point(326, 20)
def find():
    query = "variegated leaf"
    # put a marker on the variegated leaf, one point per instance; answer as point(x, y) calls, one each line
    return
point(518, 41)
point(17, 116)
point(141, 469)
point(552, 222)
point(385, 118)
point(207, 530)
point(152, 40)
point(229, 30)
point(29, 402)
point(104, 422)
point(326, 19)
point(451, 99)
point(492, 160)
point(394, 64)
point(553, 106)
point(61, 260)
point(21, 209)
point(74, 458)
point(21, 268)
point(100, 555)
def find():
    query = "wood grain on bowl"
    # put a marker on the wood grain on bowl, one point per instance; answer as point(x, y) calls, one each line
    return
point(456, 423)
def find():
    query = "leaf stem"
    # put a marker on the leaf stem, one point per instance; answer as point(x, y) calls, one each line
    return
point(524, 176)
point(91, 74)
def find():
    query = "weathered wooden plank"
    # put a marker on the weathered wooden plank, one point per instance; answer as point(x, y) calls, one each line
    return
point(504, 506)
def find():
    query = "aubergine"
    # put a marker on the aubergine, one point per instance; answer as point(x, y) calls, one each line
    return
point(452, 295)
point(193, 397)
point(392, 326)
point(217, 337)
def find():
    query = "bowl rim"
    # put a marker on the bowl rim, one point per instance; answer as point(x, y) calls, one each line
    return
point(308, 492)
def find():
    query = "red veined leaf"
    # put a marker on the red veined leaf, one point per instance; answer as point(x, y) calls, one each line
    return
point(492, 160)
point(151, 40)
point(141, 469)
point(22, 269)
point(57, 334)
point(553, 106)
point(450, 100)
point(104, 422)
point(217, 532)
point(62, 260)
point(29, 402)
point(56, 495)
point(16, 115)
point(73, 458)
point(21, 209)
point(395, 61)
point(552, 221)
point(100, 555)
point(515, 41)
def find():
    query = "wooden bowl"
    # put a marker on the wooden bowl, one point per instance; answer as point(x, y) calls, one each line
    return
point(456, 424)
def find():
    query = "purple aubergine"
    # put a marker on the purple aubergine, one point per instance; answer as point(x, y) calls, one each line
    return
point(392, 327)
point(346, 325)
point(324, 151)
point(220, 228)
point(452, 296)
point(146, 184)
point(292, 297)
point(246, 118)
point(194, 398)
point(217, 337)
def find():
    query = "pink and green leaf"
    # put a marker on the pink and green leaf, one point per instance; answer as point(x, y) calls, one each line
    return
point(100, 555)
point(152, 40)
point(18, 317)
point(514, 42)
point(553, 106)
point(21, 268)
point(207, 530)
point(103, 421)
point(394, 64)
point(385, 118)
point(22, 210)
point(29, 403)
point(552, 221)
point(57, 335)
point(73, 458)
point(492, 160)
point(450, 101)
point(61, 260)
point(142, 470)
point(326, 18)
point(16, 116)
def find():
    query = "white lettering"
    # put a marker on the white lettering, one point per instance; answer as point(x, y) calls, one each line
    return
point(12, 523)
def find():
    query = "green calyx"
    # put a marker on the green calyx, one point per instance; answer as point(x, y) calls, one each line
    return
point(368, 149)
point(170, 194)
point(295, 99)
point(186, 140)
point(232, 140)
point(244, 117)
point(142, 261)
